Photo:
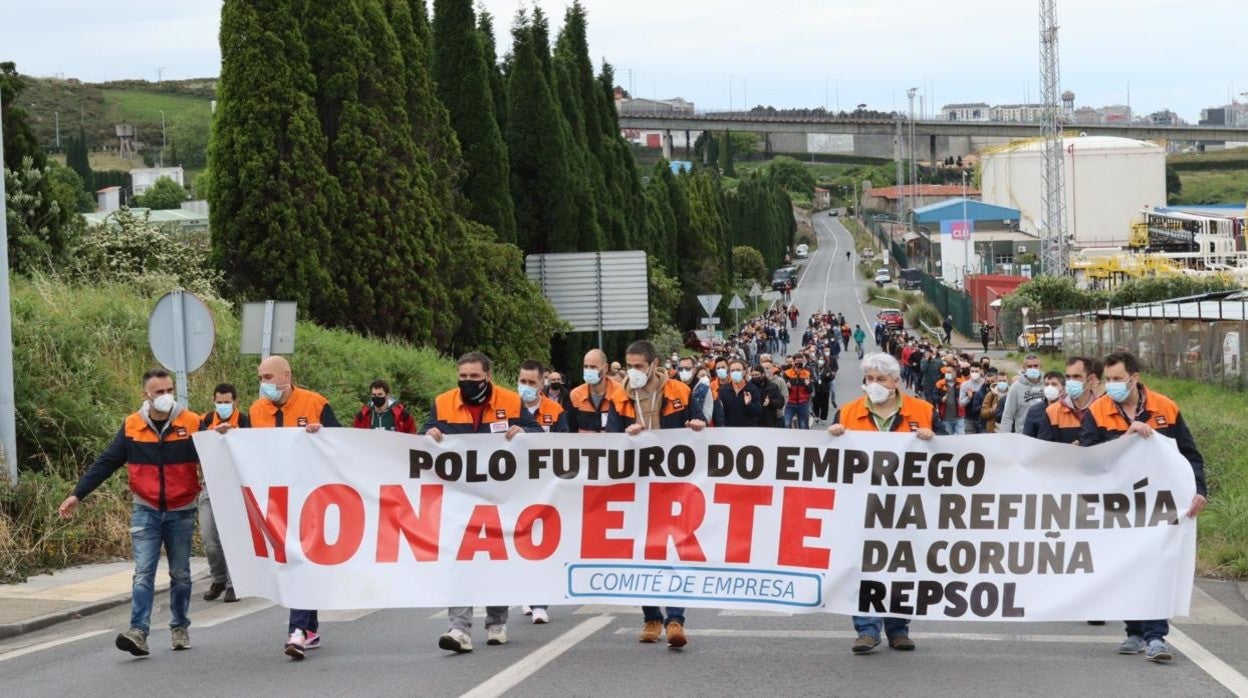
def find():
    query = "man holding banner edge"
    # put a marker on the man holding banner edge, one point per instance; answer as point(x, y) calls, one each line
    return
point(1127, 407)
point(884, 408)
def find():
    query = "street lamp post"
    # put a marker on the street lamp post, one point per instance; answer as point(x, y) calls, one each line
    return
point(8, 401)
point(966, 225)
point(910, 93)
point(163, 142)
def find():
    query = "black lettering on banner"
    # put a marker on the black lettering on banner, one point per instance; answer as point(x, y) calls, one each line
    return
point(681, 461)
point(817, 466)
point(539, 460)
point(750, 462)
point(502, 466)
point(871, 595)
point(418, 460)
point(786, 463)
point(952, 511)
point(651, 462)
point(884, 467)
point(718, 461)
point(957, 605)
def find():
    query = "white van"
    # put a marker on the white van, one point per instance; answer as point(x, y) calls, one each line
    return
point(803, 251)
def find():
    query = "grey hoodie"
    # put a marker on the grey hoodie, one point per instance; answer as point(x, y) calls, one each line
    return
point(1023, 394)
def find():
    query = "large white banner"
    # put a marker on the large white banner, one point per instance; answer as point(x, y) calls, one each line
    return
point(983, 527)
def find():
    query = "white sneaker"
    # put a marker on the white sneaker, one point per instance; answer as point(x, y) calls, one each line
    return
point(496, 635)
point(528, 610)
point(456, 640)
point(540, 617)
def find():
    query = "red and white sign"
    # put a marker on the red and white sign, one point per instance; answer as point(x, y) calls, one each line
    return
point(995, 527)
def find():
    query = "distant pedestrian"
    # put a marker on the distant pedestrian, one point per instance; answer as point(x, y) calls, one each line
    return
point(155, 445)
point(947, 326)
point(985, 334)
point(384, 412)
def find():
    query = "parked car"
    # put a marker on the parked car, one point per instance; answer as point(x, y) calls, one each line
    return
point(699, 340)
point(892, 318)
point(784, 277)
point(802, 251)
point(883, 276)
point(910, 279)
point(1040, 337)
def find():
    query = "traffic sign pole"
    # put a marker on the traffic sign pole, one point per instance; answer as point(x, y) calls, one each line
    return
point(179, 347)
point(8, 400)
point(266, 334)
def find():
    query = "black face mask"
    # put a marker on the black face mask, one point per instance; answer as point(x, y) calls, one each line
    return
point(379, 401)
point(556, 386)
point(474, 392)
point(759, 380)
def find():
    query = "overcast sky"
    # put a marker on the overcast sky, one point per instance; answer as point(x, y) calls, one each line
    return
point(1159, 53)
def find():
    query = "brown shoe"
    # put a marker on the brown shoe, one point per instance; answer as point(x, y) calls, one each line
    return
point(651, 632)
point(214, 592)
point(864, 644)
point(901, 642)
point(676, 635)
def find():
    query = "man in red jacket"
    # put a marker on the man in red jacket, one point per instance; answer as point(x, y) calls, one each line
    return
point(384, 412)
point(155, 445)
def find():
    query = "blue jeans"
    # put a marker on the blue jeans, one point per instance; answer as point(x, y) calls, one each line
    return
point(675, 614)
point(954, 426)
point(149, 529)
point(1149, 629)
point(801, 410)
point(303, 620)
point(872, 625)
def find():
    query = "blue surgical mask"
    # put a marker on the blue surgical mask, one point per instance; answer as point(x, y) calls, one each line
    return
point(1117, 390)
point(527, 393)
point(1074, 389)
point(270, 391)
point(737, 376)
point(591, 376)
point(225, 411)
point(721, 373)
point(1033, 374)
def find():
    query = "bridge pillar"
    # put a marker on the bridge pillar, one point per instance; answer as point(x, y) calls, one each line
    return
point(931, 144)
point(667, 145)
point(767, 145)
point(688, 146)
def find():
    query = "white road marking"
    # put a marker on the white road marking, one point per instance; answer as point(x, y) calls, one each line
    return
point(510, 677)
point(245, 607)
point(1221, 672)
point(746, 613)
point(827, 278)
point(599, 609)
point(14, 654)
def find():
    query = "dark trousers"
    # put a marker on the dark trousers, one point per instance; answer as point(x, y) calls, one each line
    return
point(302, 620)
point(1149, 629)
point(675, 614)
point(821, 404)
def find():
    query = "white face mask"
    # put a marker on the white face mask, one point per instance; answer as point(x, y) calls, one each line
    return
point(164, 403)
point(637, 379)
point(1051, 392)
point(685, 374)
point(877, 393)
point(975, 375)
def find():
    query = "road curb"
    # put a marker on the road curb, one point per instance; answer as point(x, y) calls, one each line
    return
point(47, 620)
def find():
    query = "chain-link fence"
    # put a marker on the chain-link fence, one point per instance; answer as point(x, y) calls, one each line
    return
point(1192, 339)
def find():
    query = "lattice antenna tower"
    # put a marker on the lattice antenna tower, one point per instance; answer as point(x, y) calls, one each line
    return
point(1053, 231)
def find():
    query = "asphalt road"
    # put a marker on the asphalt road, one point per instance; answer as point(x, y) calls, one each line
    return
point(591, 650)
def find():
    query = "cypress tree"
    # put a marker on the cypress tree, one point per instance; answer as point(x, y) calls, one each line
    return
point(76, 156)
point(541, 182)
point(386, 247)
point(489, 49)
point(429, 121)
point(463, 85)
point(270, 195)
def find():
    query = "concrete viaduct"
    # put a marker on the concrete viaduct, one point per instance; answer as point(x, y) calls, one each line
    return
point(799, 125)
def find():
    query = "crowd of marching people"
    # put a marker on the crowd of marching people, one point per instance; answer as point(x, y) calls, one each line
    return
point(777, 370)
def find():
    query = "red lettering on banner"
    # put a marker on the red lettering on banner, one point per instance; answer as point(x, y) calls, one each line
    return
point(596, 520)
point(483, 534)
point(742, 500)
point(681, 528)
point(350, 524)
point(795, 527)
point(270, 526)
point(421, 531)
point(551, 530)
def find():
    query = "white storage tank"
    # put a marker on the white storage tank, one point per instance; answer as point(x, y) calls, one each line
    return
point(1108, 181)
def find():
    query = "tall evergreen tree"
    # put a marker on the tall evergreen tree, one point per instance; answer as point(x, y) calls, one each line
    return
point(386, 246)
point(489, 48)
point(270, 199)
point(77, 157)
point(429, 121)
point(463, 84)
point(541, 181)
